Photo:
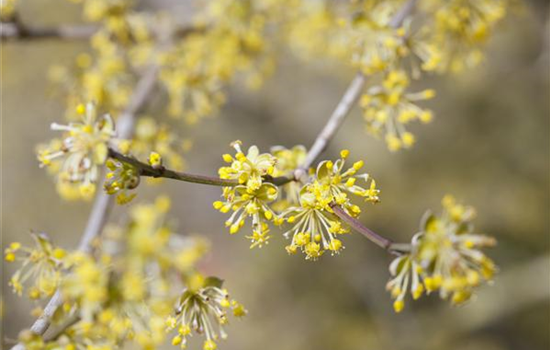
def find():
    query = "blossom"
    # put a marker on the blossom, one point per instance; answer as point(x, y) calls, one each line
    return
point(247, 203)
point(339, 183)
point(390, 107)
point(248, 169)
point(461, 29)
point(83, 149)
point(41, 266)
point(121, 178)
point(314, 226)
point(445, 256)
point(376, 45)
point(203, 309)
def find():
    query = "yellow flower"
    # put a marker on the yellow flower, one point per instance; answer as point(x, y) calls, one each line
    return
point(121, 178)
point(445, 256)
point(247, 203)
point(82, 151)
point(41, 266)
point(203, 310)
point(389, 107)
point(250, 168)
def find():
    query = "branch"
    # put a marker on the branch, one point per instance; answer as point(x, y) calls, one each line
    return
point(347, 102)
point(383, 242)
point(334, 122)
point(16, 30)
point(148, 171)
point(162, 172)
point(103, 201)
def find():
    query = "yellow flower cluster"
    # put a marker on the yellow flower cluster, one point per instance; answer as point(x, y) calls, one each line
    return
point(315, 227)
point(203, 308)
point(307, 206)
point(121, 178)
point(194, 74)
point(461, 28)
point(248, 169)
point(41, 267)
point(76, 158)
point(449, 35)
point(446, 256)
point(251, 198)
point(125, 290)
point(390, 107)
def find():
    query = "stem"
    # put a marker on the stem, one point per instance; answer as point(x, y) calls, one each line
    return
point(17, 30)
point(162, 172)
point(374, 237)
point(334, 122)
point(148, 171)
point(103, 202)
point(381, 241)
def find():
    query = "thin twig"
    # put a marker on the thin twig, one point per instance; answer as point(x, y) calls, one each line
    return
point(162, 172)
point(334, 122)
point(17, 30)
point(103, 201)
point(381, 241)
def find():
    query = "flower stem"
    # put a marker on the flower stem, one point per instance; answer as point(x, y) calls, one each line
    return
point(148, 171)
point(381, 241)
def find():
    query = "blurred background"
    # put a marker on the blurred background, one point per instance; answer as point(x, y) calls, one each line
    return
point(489, 146)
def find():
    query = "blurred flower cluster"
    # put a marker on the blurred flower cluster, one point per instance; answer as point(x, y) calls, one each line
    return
point(445, 257)
point(449, 36)
point(126, 289)
point(306, 204)
point(77, 157)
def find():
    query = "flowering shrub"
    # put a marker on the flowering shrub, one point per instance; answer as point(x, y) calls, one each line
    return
point(137, 282)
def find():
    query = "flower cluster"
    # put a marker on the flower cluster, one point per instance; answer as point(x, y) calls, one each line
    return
point(449, 36)
point(125, 290)
point(41, 266)
point(307, 206)
point(252, 197)
point(121, 178)
point(445, 256)
point(194, 75)
point(461, 28)
point(77, 157)
point(202, 308)
point(315, 227)
point(390, 107)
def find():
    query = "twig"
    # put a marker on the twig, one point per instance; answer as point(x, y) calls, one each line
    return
point(148, 171)
point(162, 172)
point(16, 30)
point(383, 242)
point(334, 122)
point(103, 201)
point(347, 102)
